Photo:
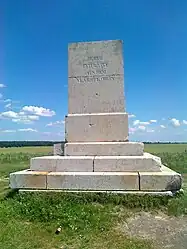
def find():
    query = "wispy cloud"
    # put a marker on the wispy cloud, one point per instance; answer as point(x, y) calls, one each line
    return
point(2, 86)
point(7, 100)
point(150, 130)
point(56, 123)
point(8, 105)
point(141, 128)
point(131, 115)
point(28, 130)
point(184, 122)
point(1, 95)
point(163, 126)
point(138, 122)
point(7, 131)
point(132, 130)
point(153, 121)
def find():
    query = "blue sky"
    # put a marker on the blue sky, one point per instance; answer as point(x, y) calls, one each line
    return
point(34, 37)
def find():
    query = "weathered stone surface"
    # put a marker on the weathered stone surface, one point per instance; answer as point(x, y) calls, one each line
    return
point(28, 180)
point(167, 180)
point(96, 81)
point(62, 163)
point(146, 162)
point(99, 127)
point(93, 181)
point(58, 149)
point(104, 149)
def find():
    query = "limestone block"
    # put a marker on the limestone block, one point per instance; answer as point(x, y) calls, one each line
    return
point(109, 127)
point(58, 149)
point(62, 163)
point(28, 179)
point(93, 180)
point(147, 162)
point(167, 180)
point(96, 97)
point(96, 81)
point(104, 149)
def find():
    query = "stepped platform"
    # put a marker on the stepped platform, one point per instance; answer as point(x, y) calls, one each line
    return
point(145, 182)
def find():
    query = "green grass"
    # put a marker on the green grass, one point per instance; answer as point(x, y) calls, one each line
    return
point(162, 148)
point(29, 221)
point(30, 150)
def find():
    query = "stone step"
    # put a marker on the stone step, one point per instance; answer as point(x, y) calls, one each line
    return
point(103, 149)
point(167, 180)
point(96, 127)
point(62, 163)
point(147, 162)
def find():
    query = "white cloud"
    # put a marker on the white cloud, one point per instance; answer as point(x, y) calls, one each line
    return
point(132, 130)
point(2, 86)
point(33, 117)
point(144, 123)
point(28, 129)
point(1, 95)
point(131, 116)
point(150, 130)
point(163, 126)
point(8, 131)
point(175, 122)
point(40, 111)
point(8, 105)
point(153, 121)
point(19, 117)
point(141, 127)
point(9, 114)
point(138, 122)
point(184, 122)
point(7, 100)
point(22, 121)
point(56, 123)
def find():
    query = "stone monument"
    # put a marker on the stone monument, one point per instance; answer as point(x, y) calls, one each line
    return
point(97, 153)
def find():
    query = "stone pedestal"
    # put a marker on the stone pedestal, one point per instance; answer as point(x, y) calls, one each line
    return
point(97, 153)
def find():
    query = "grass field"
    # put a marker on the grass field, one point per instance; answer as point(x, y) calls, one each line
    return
point(88, 221)
point(152, 148)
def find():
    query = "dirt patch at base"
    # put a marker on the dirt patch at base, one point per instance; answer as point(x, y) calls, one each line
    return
point(163, 230)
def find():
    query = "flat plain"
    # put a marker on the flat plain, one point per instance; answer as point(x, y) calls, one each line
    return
point(29, 221)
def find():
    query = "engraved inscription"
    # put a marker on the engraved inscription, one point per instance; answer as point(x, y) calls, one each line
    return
point(87, 79)
point(95, 69)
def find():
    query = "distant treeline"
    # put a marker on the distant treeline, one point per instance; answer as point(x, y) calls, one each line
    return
point(6, 144)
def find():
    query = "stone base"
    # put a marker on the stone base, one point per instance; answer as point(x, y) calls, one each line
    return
point(147, 162)
point(104, 149)
point(167, 180)
point(58, 149)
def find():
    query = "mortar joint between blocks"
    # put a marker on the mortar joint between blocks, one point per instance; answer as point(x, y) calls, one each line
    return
point(139, 181)
point(94, 163)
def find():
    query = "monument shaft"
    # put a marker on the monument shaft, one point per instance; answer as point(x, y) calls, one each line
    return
point(96, 77)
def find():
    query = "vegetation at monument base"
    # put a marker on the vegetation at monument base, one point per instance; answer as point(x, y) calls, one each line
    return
point(29, 221)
